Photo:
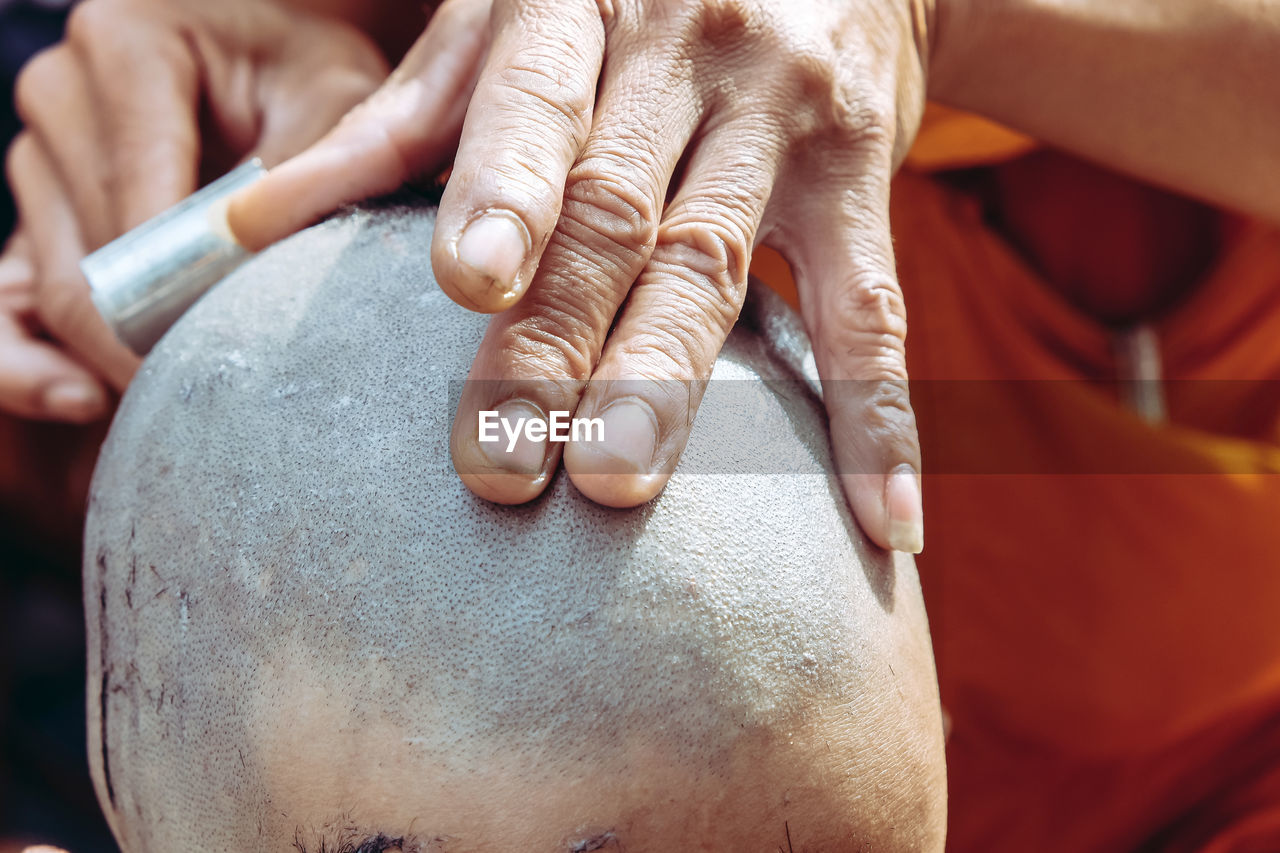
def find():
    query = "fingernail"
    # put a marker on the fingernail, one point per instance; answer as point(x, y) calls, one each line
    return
point(630, 435)
point(905, 510)
point(74, 399)
point(495, 246)
point(514, 450)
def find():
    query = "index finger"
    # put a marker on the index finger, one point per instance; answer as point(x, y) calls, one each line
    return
point(527, 124)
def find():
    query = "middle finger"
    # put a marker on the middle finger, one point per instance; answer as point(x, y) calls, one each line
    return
point(650, 379)
point(536, 357)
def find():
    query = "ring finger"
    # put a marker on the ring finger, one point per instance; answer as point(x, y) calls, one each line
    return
point(650, 380)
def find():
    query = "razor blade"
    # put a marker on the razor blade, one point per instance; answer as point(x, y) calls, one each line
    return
point(144, 280)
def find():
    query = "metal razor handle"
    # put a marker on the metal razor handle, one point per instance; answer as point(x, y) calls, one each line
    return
point(144, 280)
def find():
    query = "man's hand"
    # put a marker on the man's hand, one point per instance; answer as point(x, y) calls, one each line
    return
point(121, 120)
point(618, 162)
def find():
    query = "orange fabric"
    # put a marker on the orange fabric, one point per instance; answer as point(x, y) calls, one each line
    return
point(947, 139)
point(1092, 627)
point(951, 139)
point(1104, 594)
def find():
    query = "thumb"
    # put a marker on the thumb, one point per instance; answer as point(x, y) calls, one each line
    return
point(855, 315)
point(405, 129)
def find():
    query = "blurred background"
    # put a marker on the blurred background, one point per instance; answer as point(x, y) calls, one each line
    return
point(45, 794)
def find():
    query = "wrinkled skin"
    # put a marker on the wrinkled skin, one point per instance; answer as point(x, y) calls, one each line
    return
point(613, 166)
point(302, 625)
point(617, 164)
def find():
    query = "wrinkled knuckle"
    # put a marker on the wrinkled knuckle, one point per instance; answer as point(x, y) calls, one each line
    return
point(713, 253)
point(611, 208)
point(674, 347)
point(810, 67)
point(840, 103)
point(554, 90)
point(877, 412)
point(525, 182)
point(877, 355)
point(808, 72)
point(871, 122)
point(891, 401)
point(866, 321)
point(871, 303)
point(858, 122)
point(887, 419)
point(559, 338)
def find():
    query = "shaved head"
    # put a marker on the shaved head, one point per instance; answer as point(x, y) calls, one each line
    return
point(306, 633)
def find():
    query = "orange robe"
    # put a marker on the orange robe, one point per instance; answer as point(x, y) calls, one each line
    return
point(1104, 594)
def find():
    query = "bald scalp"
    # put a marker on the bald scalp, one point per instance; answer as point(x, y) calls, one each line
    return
point(305, 632)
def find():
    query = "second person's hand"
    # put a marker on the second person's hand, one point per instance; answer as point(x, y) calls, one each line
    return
point(124, 116)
